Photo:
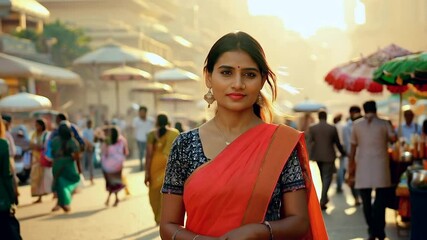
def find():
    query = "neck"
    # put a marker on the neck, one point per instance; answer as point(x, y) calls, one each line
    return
point(236, 122)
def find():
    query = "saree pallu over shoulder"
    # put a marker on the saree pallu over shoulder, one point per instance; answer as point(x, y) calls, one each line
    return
point(236, 187)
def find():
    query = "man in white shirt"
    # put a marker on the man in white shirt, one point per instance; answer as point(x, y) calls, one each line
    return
point(142, 126)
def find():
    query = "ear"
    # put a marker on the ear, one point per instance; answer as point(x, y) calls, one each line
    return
point(208, 79)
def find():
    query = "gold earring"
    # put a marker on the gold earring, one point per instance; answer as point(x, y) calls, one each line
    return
point(209, 97)
point(260, 99)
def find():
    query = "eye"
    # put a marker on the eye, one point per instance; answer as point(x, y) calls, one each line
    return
point(250, 75)
point(226, 72)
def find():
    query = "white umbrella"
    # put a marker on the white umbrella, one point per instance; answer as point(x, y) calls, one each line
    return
point(308, 106)
point(155, 88)
point(176, 97)
point(175, 75)
point(24, 102)
point(124, 73)
point(120, 54)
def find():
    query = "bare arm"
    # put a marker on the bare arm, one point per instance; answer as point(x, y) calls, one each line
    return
point(148, 159)
point(294, 225)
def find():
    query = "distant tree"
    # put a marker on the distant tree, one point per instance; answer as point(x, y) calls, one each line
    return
point(63, 42)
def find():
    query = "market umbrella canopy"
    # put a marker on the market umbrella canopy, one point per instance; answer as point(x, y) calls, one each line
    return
point(120, 54)
point(153, 87)
point(11, 66)
point(125, 73)
point(357, 75)
point(175, 75)
point(403, 70)
point(308, 106)
point(176, 97)
point(24, 102)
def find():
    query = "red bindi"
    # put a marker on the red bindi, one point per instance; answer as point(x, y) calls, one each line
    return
point(238, 66)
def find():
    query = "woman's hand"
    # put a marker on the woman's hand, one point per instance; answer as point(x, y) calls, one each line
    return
point(254, 231)
point(147, 179)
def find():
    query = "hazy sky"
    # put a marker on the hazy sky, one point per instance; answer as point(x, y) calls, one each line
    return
point(303, 16)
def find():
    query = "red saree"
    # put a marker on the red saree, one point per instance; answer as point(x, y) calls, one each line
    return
point(235, 188)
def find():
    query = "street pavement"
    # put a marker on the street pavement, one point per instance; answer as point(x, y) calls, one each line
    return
point(133, 219)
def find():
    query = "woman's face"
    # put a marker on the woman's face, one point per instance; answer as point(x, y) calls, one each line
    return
point(236, 81)
point(38, 127)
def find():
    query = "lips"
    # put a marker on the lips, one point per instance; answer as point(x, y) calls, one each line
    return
point(236, 96)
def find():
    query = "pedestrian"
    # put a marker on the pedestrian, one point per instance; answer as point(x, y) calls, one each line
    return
point(65, 153)
point(339, 125)
point(9, 225)
point(178, 126)
point(369, 167)
point(113, 155)
point(142, 125)
point(88, 154)
point(323, 139)
point(159, 143)
point(225, 195)
point(409, 127)
point(41, 169)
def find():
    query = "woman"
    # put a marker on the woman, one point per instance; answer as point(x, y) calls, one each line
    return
point(213, 174)
point(113, 154)
point(178, 126)
point(9, 225)
point(41, 171)
point(159, 143)
point(66, 178)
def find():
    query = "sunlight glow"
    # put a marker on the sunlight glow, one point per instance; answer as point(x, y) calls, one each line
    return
point(359, 13)
point(303, 16)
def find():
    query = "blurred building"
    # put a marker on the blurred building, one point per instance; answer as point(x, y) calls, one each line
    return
point(21, 65)
point(179, 31)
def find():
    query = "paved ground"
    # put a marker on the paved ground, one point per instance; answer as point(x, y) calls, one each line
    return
point(132, 219)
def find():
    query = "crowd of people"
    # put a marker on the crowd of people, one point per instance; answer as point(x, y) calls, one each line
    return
point(257, 172)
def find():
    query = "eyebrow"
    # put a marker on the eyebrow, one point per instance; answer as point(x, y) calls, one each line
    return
point(230, 67)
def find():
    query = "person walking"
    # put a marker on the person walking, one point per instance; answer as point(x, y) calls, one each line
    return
point(159, 143)
point(41, 168)
point(213, 186)
point(142, 125)
point(339, 125)
point(369, 167)
point(113, 154)
point(88, 153)
point(9, 225)
point(355, 113)
point(65, 153)
point(323, 137)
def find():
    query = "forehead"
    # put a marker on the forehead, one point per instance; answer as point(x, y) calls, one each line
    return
point(236, 59)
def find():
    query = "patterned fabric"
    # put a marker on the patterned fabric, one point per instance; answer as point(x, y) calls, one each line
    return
point(187, 155)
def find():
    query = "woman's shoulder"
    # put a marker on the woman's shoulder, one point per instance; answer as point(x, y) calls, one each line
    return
point(187, 137)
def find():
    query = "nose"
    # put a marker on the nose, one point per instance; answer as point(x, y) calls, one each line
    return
point(238, 82)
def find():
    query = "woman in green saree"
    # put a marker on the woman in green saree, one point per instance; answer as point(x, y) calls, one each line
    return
point(65, 152)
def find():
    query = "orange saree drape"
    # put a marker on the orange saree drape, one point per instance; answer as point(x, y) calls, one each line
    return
point(235, 188)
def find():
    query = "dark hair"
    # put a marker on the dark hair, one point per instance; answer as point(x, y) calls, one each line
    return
point(424, 129)
point(337, 118)
point(143, 108)
point(244, 42)
point(60, 117)
point(370, 107)
point(178, 126)
point(114, 135)
point(354, 109)
point(41, 123)
point(162, 122)
point(65, 134)
point(322, 115)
